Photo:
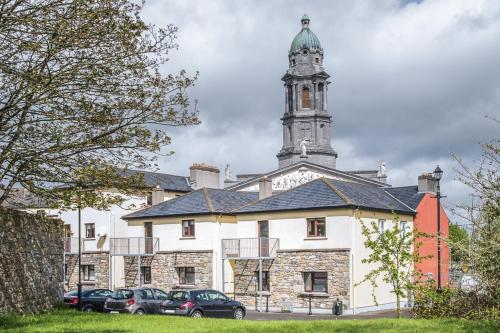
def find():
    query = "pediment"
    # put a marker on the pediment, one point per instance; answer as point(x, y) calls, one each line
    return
point(298, 174)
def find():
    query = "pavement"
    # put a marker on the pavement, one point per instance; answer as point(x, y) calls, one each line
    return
point(254, 315)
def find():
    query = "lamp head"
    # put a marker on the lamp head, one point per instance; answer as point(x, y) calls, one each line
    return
point(438, 173)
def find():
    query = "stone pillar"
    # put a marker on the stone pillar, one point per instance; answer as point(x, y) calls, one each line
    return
point(294, 91)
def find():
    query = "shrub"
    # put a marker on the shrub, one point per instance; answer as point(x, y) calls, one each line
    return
point(451, 302)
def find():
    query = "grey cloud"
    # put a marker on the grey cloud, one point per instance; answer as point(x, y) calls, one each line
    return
point(411, 80)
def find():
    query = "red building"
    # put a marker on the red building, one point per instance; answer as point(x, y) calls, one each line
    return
point(422, 199)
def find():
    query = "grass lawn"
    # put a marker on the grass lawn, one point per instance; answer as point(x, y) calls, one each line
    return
point(70, 321)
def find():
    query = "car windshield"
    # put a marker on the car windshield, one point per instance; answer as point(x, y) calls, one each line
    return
point(178, 296)
point(122, 294)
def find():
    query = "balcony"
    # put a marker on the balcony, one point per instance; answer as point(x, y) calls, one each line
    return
point(249, 248)
point(134, 246)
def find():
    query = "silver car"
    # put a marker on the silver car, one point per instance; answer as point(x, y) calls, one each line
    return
point(136, 300)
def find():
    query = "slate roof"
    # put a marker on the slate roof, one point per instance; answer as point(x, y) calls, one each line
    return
point(202, 201)
point(407, 194)
point(328, 193)
point(167, 182)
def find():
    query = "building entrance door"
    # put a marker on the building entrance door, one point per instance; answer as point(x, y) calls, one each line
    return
point(148, 237)
point(263, 238)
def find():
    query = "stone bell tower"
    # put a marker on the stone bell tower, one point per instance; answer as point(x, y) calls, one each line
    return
point(306, 121)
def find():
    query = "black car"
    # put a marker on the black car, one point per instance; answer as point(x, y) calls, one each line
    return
point(92, 299)
point(202, 303)
point(136, 300)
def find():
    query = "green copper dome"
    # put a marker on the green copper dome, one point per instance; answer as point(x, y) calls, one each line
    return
point(305, 38)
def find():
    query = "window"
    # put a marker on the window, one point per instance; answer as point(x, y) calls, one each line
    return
point(381, 226)
point(149, 199)
point(89, 230)
point(146, 294)
point(293, 62)
point(316, 282)
point(65, 272)
point(180, 296)
point(67, 230)
point(188, 228)
point(316, 227)
point(145, 275)
point(306, 98)
point(316, 60)
point(186, 275)
point(214, 295)
point(160, 294)
point(265, 280)
point(403, 227)
point(100, 293)
point(88, 272)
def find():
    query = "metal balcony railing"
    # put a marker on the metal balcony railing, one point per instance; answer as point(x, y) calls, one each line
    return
point(250, 248)
point(133, 246)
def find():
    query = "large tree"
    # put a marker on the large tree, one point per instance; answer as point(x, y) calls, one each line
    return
point(83, 97)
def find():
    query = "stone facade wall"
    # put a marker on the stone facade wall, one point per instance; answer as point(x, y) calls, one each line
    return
point(100, 260)
point(31, 262)
point(163, 268)
point(286, 280)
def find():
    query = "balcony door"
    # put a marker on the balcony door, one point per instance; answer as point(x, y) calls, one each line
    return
point(148, 237)
point(263, 238)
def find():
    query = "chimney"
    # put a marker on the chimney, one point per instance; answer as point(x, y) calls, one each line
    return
point(427, 183)
point(265, 188)
point(203, 175)
point(157, 195)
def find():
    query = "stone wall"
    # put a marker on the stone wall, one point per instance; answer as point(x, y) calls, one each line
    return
point(31, 262)
point(286, 278)
point(163, 268)
point(100, 260)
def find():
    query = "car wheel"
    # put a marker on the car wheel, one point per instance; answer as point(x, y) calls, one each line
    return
point(197, 314)
point(88, 308)
point(238, 314)
point(140, 312)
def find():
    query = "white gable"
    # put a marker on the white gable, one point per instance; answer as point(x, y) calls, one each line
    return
point(291, 179)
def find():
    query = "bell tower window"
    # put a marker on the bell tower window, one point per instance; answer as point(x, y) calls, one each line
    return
point(306, 98)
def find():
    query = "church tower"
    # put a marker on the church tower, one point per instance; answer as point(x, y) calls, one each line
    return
point(306, 121)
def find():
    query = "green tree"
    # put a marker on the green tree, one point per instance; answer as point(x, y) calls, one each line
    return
point(392, 256)
point(484, 219)
point(83, 97)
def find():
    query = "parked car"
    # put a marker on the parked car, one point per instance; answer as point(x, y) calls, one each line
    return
point(202, 303)
point(136, 300)
point(92, 299)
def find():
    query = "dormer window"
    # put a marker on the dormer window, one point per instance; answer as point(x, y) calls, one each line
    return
point(306, 98)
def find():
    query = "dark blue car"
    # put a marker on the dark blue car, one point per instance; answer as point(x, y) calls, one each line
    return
point(202, 303)
point(92, 299)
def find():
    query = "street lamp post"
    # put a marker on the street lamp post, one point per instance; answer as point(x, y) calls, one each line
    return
point(79, 257)
point(438, 173)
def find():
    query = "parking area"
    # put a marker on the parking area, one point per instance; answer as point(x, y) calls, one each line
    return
point(254, 315)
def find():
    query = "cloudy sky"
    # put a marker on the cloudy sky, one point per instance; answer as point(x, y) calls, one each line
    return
point(412, 81)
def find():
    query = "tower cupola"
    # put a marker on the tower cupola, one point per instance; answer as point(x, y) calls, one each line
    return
point(306, 121)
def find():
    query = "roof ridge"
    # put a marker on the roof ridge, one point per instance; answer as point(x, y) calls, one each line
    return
point(207, 199)
point(165, 202)
point(274, 196)
point(337, 192)
point(400, 201)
